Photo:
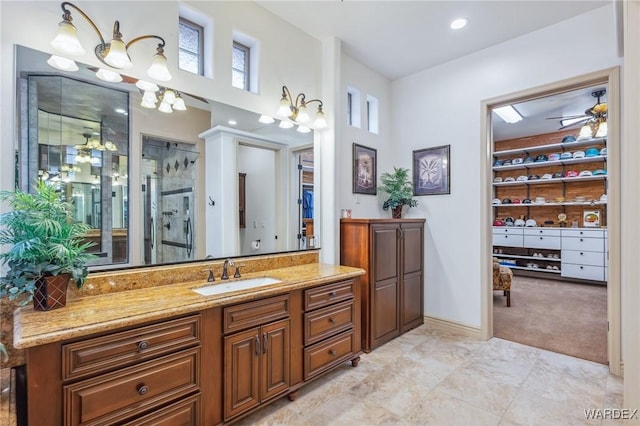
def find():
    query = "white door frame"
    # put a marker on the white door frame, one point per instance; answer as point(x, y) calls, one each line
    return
point(611, 77)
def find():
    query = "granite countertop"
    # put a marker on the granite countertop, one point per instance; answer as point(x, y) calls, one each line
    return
point(94, 314)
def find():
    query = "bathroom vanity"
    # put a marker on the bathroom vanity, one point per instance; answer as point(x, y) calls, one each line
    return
point(169, 355)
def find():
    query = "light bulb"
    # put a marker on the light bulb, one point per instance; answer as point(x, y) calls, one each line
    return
point(169, 96)
point(165, 107)
point(179, 105)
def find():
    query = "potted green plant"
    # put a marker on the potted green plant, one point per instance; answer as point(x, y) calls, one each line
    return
point(400, 190)
point(46, 247)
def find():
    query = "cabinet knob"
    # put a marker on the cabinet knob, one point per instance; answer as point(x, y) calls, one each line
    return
point(541, 238)
point(142, 345)
point(581, 254)
point(581, 238)
point(581, 233)
point(332, 320)
point(582, 267)
point(506, 236)
point(540, 231)
point(333, 294)
point(142, 389)
point(332, 352)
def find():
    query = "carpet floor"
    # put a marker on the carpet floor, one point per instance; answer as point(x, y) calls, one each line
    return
point(558, 316)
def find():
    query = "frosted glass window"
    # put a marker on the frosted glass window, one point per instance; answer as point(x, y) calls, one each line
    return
point(240, 66)
point(190, 47)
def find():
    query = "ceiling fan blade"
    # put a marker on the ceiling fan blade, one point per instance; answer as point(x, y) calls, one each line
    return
point(577, 123)
point(568, 117)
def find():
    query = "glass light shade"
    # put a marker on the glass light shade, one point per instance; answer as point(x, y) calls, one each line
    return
point(94, 160)
point(284, 110)
point(158, 69)
point(109, 76)
point(150, 96)
point(320, 122)
point(63, 64)
point(165, 107)
point(303, 129)
point(585, 132)
point(179, 105)
point(118, 56)
point(169, 96)
point(285, 124)
point(147, 86)
point(602, 130)
point(303, 115)
point(147, 103)
point(110, 146)
point(265, 119)
point(66, 41)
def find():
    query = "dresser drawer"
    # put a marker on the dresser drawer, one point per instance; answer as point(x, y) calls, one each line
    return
point(252, 314)
point(328, 321)
point(585, 272)
point(324, 355)
point(185, 412)
point(592, 258)
point(508, 240)
point(544, 232)
point(587, 233)
point(96, 356)
point(114, 397)
point(583, 244)
point(542, 242)
point(507, 230)
point(327, 294)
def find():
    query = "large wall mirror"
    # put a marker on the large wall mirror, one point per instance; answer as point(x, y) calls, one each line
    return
point(136, 175)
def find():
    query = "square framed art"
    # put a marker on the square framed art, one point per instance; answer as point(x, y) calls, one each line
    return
point(432, 171)
point(364, 170)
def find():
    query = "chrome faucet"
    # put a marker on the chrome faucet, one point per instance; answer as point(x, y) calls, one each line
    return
point(225, 268)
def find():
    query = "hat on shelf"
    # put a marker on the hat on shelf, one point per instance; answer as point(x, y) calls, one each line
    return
point(506, 162)
point(531, 222)
point(497, 179)
point(578, 154)
point(599, 172)
point(498, 222)
point(509, 179)
point(566, 156)
point(541, 158)
point(508, 221)
point(568, 139)
point(546, 176)
point(526, 201)
point(497, 201)
point(517, 161)
point(534, 177)
point(555, 156)
point(592, 152)
point(519, 222)
point(521, 178)
point(529, 159)
point(497, 163)
point(557, 175)
point(506, 201)
point(586, 173)
point(603, 151)
point(571, 173)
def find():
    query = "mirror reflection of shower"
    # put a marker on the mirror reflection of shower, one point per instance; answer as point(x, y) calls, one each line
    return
point(169, 179)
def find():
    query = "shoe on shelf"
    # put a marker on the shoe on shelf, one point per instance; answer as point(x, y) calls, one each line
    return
point(555, 268)
point(549, 267)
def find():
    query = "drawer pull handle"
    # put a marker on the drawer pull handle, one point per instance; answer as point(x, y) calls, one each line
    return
point(264, 343)
point(143, 345)
point(257, 346)
point(332, 320)
point(333, 294)
point(332, 352)
point(540, 231)
point(142, 389)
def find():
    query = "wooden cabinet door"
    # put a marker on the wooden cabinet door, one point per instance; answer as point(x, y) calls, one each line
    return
point(385, 318)
point(274, 362)
point(412, 288)
point(241, 371)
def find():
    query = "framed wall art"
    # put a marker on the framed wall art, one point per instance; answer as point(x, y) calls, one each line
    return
point(364, 170)
point(432, 171)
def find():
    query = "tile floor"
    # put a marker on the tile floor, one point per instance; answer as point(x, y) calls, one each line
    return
point(434, 378)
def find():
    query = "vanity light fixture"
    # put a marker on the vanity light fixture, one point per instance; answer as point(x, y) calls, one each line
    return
point(265, 119)
point(63, 64)
point(170, 100)
point(108, 76)
point(285, 124)
point(115, 53)
point(296, 109)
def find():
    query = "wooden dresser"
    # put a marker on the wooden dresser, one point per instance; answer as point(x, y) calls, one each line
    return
point(392, 253)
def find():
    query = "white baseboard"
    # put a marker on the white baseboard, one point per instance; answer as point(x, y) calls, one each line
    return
point(453, 327)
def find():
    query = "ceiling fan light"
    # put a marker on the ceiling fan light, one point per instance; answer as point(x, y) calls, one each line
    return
point(602, 130)
point(585, 132)
point(62, 64)
point(169, 96)
point(165, 107)
point(179, 104)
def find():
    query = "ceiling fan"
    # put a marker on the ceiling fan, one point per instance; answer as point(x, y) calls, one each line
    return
point(593, 115)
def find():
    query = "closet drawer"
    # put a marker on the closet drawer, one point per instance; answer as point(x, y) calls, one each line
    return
point(324, 295)
point(586, 233)
point(95, 356)
point(583, 244)
point(542, 242)
point(592, 258)
point(508, 240)
point(507, 230)
point(585, 272)
point(328, 321)
point(114, 397)
point(545, 232)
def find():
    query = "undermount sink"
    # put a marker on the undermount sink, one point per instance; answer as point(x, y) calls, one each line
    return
point(236, 285)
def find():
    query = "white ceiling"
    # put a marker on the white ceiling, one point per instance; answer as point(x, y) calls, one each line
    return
point(399, 38)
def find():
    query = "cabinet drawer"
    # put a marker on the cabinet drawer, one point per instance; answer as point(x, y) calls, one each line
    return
point(256, 313)
point(583, 244)
point(328, 321)
point(324, 355)
point(592, 258)
point(96, 356)
point(507, 230)
point(324, 295)
point(585, 272)
point(541, 242)
point(114, 397)
point(588, 233)
point(545, 232)
point(185, 413)
point(508, 240)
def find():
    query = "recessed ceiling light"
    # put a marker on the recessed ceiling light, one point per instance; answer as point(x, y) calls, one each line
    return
point(232, 122)
point(459, 23)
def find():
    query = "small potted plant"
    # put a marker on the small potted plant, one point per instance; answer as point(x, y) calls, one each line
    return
point(46, 247)
point(400, 190)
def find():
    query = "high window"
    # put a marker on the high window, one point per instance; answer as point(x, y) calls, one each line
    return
point(240, 66)
point(353, 107)
point(372, 114)
point(191, 47)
